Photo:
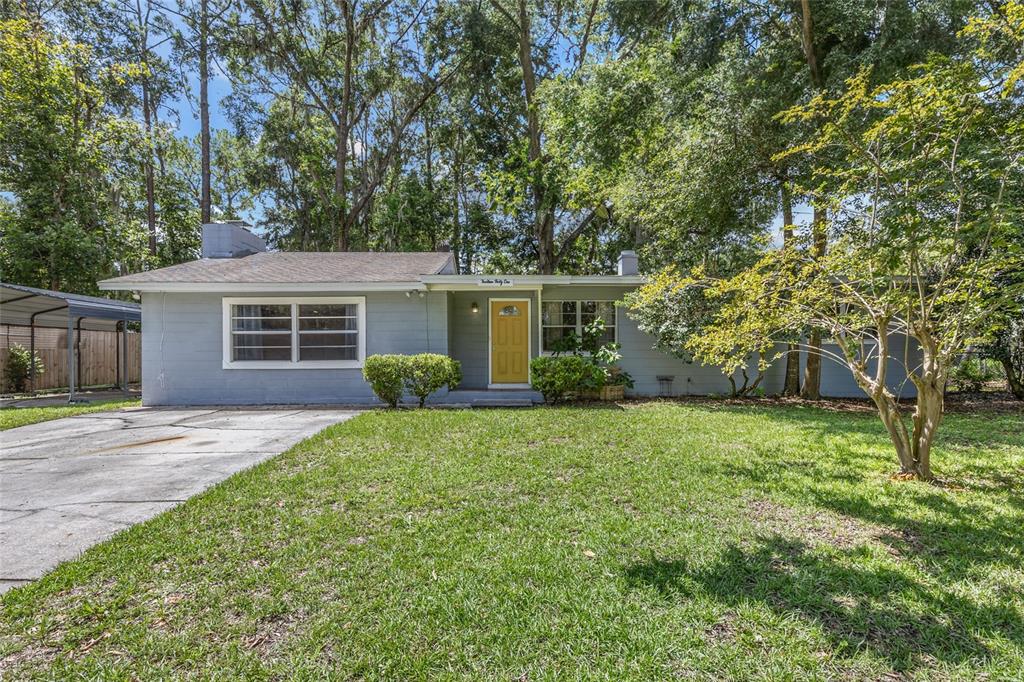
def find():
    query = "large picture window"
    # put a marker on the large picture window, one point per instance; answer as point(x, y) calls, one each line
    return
point(294, 333)
point(562, 318)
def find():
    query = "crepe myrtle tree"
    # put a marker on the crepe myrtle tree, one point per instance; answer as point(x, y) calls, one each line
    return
point(927, 241)
point(675, 310)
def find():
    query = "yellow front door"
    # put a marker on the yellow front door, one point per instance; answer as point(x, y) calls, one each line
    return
point(510, 342)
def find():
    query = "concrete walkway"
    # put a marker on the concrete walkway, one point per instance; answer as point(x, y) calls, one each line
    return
point(69, 483)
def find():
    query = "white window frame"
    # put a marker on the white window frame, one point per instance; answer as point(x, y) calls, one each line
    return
point(579, 318)
point(295, 363)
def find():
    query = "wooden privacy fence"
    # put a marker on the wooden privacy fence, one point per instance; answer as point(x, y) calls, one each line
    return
point(98, 352)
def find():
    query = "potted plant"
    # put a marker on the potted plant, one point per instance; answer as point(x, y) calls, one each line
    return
point(617, 382)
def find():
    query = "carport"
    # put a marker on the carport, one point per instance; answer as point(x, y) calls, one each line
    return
point(35, 308)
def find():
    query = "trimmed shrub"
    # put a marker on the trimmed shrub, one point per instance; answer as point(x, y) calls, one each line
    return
point(386, 375)
point(390, 376)
point(19, 367)
point(429, 372)
point(556, 376)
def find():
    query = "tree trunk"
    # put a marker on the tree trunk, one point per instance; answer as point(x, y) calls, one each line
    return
point(142, 24)
point(543, 216)
point(811, 389)
point(204, 111)
point(792, 385)
point(930, 403)
point(914, 449)
point(888, 408)
point(545, 229)
point(807, 38)
point(1013, 380)
point(927, 418)
point(812, 371)
point(150, 182)
point(889, 412)
point(340, 209)
point(343, 131)
point(456, 193)
point(429, 170)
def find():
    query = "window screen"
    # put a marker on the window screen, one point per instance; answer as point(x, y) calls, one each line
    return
point(328, 331)
point(591, 310)
point(560, 319)
point(261, 332)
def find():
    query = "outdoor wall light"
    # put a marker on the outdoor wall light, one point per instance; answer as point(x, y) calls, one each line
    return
point(473, 307)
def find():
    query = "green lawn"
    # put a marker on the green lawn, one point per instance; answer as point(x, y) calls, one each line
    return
point(12, 417)
point(661, 541)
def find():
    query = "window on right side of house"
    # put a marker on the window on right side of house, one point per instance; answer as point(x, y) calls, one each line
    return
point(560, 319)
point(592, 310)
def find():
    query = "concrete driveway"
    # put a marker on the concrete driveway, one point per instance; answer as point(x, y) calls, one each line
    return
point(70, 483)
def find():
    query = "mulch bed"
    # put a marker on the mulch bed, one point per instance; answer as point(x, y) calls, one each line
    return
point(1001, 402)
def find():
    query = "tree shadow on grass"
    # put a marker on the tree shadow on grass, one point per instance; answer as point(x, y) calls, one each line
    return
point(957, 430)
point(954, 536)
point(879, 609)
point(944, 534)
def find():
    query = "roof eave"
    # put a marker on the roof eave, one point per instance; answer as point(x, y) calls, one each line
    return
point(424, 282)
point(256, 287)
point(539, 280)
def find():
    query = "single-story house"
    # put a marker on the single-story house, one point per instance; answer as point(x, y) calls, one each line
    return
point(246, 326)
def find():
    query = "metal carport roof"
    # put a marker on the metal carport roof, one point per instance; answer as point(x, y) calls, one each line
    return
point(29, 306)
point(32, 307)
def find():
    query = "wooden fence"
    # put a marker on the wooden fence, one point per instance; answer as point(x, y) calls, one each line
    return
point(98, 365)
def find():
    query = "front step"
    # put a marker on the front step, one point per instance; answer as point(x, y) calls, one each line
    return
point(501, 402)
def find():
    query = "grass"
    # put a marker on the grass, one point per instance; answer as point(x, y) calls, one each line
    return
point(655, 542)
point(13, 417)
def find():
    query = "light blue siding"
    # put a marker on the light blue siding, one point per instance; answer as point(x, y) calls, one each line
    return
point(182, 352)
point(837, 381)
point(469, 332)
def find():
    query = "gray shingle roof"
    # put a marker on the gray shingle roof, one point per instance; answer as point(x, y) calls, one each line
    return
point(298, 267)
